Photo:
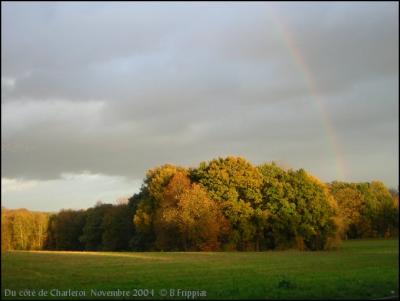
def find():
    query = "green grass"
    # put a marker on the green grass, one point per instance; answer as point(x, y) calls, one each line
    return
point(359, 269)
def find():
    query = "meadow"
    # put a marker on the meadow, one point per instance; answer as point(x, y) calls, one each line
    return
point(359, 269)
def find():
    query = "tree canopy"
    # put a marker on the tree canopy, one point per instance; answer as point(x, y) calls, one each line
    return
point(223, 204)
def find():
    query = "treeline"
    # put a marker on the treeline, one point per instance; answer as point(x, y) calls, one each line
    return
point(23, 230)
point(223, 204)
point(368, 209)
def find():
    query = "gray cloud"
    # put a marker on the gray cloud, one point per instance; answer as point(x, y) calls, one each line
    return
point(116, 89)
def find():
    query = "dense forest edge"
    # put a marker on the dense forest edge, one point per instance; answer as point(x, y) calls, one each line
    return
point(222, 205)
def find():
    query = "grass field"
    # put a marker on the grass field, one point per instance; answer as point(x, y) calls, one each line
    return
point(358, 270)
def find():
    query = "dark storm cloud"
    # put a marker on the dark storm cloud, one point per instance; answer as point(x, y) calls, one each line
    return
point(118, 88)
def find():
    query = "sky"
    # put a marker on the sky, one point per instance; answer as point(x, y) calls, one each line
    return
point(95, 94)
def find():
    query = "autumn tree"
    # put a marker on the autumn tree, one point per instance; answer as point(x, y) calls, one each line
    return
point(351, 207)
point(200, 221)
point(39, 230)
point(6, 231)
point(23, 229)
point(187, 219)
point(166, 214)
point(368, 208)
point(226, 203)
point(151, 198)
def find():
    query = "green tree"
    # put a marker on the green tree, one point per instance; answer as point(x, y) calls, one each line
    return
point(66, 229)
point(387, 214)
point(118, 228)
point(93, 230)
point(302, 213)
point(236, 186)
point(230, 179)
point(144, 236)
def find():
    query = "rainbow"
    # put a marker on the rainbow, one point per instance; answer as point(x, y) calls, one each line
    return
point(311, 83)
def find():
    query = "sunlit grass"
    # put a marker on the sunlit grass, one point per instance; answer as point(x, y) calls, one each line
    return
point(87, 253)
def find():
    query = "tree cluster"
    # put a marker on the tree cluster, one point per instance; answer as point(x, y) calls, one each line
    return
point(368, 209)
point(105, 227)
point(23, 230)
point(223, 204)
